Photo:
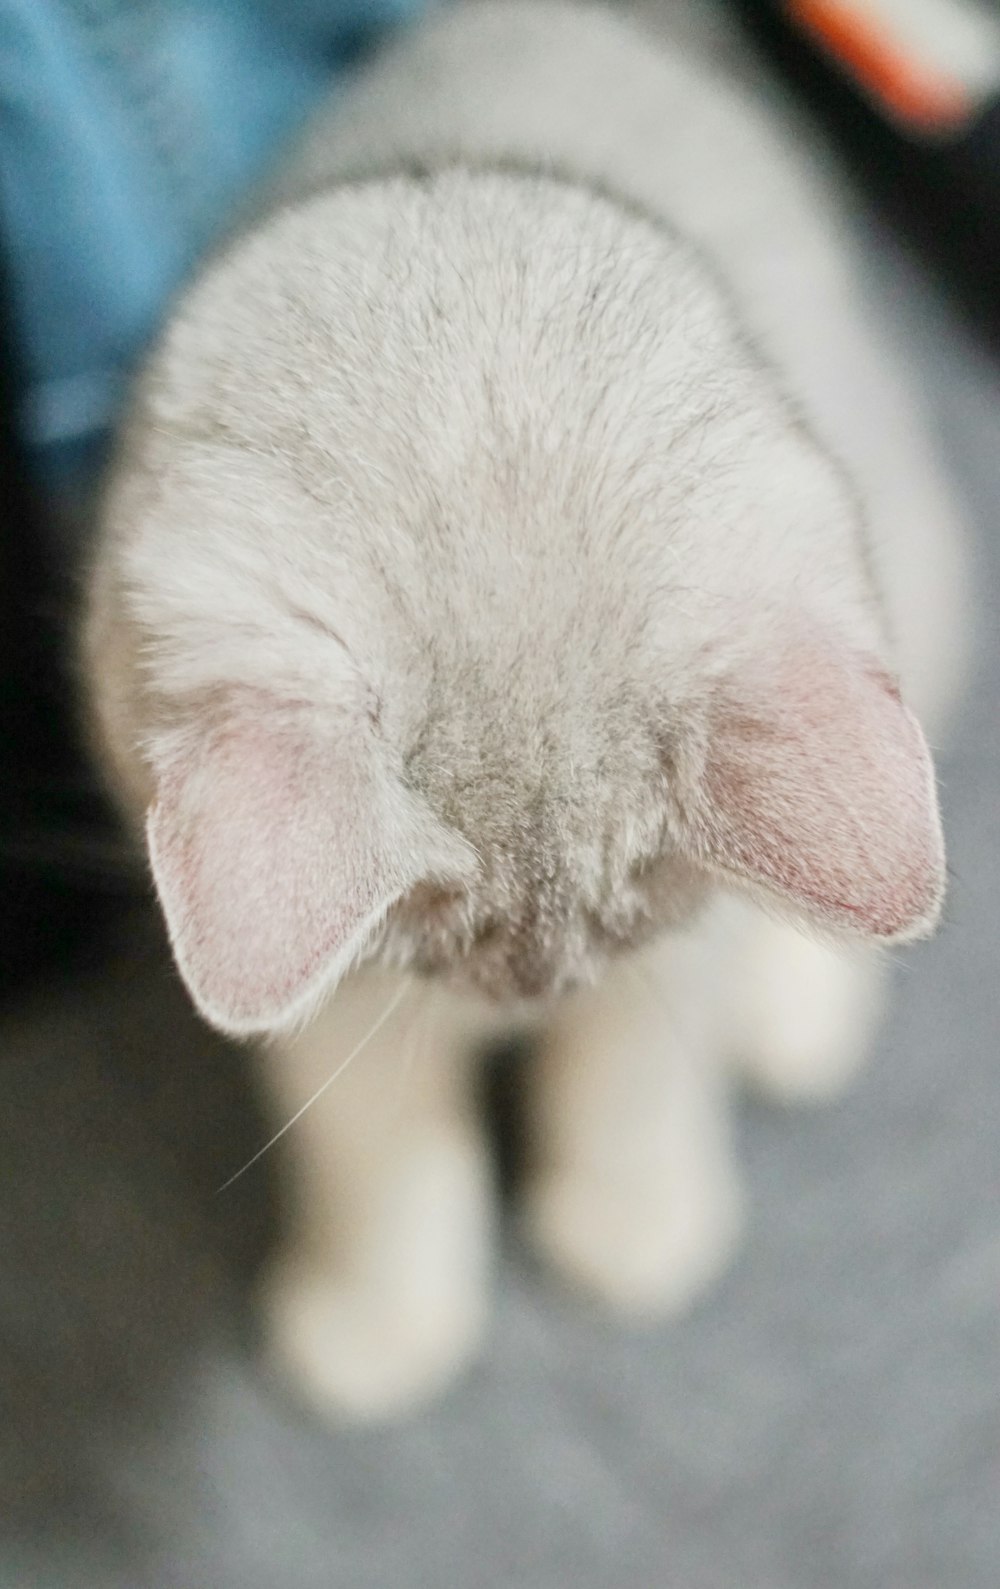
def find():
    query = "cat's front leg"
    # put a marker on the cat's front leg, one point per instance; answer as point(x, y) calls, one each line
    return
point(802, 1013)
point(379, 1297)
point(633, 1193)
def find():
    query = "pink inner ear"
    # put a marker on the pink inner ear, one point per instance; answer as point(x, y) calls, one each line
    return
point(819, 786)
point(270, 864)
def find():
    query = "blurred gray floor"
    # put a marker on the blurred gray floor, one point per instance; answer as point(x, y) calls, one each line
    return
point(829, 1419)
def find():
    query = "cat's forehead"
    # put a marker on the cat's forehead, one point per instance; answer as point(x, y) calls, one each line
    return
point(493, 365)
point(497, 429)
point(498, 302)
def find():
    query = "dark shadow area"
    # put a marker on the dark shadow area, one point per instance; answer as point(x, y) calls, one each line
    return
point(943, 194)
point(121, 1117)
point(64, 871)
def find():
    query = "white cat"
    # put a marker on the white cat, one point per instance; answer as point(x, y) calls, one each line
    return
point(495, 620)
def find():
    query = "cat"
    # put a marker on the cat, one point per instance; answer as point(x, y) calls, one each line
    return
point(496, 620)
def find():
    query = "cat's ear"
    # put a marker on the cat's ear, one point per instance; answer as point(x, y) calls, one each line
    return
point(277, 845)
point(818, 789)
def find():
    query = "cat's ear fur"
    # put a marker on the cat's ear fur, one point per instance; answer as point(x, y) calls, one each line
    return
point(817, 790)
point(278, 841)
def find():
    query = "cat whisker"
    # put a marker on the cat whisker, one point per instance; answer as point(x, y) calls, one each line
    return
point(389, 1010)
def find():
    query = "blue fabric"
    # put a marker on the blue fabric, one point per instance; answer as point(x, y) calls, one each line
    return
point(128, 130)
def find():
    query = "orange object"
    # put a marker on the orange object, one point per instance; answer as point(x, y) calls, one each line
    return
point(926, 99)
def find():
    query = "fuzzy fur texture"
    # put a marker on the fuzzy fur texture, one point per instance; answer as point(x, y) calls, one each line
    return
point(513, 548)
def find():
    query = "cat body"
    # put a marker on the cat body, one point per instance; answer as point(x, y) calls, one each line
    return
point(495, 621)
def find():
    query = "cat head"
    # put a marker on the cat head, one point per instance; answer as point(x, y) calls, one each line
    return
point(489, 604)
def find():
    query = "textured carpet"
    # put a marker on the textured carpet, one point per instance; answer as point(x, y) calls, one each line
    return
point(828, 1419)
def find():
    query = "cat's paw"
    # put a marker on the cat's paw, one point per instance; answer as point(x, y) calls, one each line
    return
point(357, 1354)
point(804, 1017)
point(644, 1250)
